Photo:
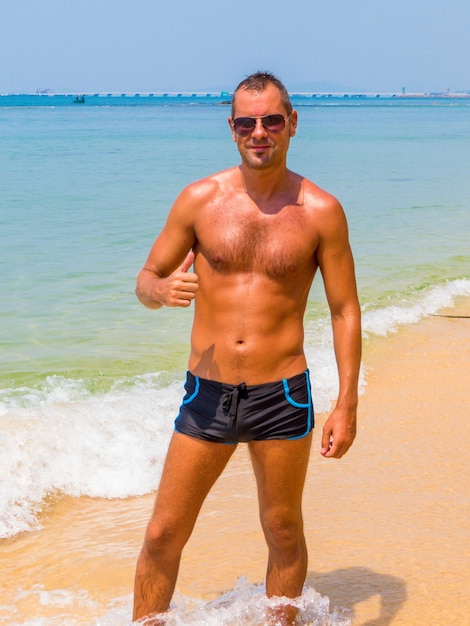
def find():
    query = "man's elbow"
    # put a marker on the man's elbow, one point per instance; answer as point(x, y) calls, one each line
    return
point(349, 312)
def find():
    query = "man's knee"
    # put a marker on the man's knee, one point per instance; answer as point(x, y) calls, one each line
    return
point(164, 536)
point(282, 530)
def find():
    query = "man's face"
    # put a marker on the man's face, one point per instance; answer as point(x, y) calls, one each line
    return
point(262, 148)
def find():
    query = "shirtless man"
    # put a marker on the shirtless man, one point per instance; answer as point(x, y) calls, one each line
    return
point(256, 234)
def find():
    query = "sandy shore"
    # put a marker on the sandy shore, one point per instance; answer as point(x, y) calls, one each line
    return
point(387, 526)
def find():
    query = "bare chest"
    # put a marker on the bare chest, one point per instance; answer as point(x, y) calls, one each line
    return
point(239, 239)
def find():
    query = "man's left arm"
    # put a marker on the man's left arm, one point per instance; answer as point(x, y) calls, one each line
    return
point(336, 264)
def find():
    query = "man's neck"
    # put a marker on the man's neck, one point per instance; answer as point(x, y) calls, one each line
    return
point(265, 183)
point(267, 188)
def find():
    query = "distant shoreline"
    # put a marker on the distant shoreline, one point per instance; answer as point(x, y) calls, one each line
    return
point(224, 98)
point(226, 94)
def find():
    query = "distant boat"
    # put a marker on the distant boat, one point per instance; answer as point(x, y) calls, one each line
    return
point(79, 100)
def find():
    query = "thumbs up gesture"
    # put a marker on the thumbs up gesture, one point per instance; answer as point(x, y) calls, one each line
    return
point(176, 290)
point(181, 285)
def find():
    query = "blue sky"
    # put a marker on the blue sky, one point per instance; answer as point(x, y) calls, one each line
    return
point(192, 45)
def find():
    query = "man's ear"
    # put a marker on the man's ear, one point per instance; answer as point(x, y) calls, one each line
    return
point(234, 138)
point(293, 123)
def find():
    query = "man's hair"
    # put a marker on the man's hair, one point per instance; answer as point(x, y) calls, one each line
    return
point(258, 82)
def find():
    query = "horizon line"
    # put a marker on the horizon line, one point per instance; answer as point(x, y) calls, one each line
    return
point(224, 93)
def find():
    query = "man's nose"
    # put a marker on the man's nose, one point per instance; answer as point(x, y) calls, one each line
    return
point(259, 130)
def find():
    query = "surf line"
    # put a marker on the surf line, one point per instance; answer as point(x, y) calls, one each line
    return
point(459, 317)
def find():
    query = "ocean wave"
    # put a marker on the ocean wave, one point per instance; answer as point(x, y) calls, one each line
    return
point(413, 308)
point(61, 439)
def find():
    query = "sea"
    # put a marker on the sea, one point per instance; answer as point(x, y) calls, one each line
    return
point(90, 380)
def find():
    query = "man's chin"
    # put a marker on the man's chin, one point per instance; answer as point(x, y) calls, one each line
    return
point(258, 162)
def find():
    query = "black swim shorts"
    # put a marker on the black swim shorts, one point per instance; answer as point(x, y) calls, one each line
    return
point(223, 413)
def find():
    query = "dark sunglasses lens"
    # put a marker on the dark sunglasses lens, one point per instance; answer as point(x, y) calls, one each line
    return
point(274, 123)
point(244, 125)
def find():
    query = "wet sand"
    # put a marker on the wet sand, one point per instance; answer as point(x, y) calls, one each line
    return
point(387, 526)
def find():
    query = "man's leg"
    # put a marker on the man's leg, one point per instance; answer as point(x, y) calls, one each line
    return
point(280, 468)
point(191, 468)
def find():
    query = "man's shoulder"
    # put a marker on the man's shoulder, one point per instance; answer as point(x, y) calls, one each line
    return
point(197, 197)
point(324, 210)
point(319, 199)
point(208, 187)
point(325, 214)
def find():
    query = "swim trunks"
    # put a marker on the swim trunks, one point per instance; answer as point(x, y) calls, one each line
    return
point(223, 413)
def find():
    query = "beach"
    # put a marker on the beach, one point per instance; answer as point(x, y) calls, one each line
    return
point(386, 526)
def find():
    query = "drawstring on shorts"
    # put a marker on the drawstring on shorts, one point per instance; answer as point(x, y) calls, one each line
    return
point(231, 401)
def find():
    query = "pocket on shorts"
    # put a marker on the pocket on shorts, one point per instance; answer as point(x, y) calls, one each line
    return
point(297, 391)
point(191, 387)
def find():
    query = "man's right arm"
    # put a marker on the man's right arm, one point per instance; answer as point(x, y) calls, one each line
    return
point(164, 280)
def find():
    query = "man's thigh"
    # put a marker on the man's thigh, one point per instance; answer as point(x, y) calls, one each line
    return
point(280, 468)
point(191, 468)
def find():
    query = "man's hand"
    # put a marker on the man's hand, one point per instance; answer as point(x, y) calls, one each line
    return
point(177, 290)
point(339, 432)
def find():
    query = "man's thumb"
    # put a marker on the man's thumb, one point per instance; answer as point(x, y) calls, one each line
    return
point(189, 260)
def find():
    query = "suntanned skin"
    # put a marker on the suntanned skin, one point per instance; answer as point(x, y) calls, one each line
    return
point(256, 235)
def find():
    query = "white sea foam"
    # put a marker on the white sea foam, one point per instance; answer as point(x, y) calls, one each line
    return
point(245, 605)
point(412, 309)
point(59, 438)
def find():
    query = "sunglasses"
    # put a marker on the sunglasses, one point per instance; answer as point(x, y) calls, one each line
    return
point(244, 126)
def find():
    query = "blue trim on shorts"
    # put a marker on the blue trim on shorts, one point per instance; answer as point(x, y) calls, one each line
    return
point(196, 390)
point(299, 405)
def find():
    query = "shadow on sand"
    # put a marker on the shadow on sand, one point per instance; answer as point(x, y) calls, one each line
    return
point(346, 588)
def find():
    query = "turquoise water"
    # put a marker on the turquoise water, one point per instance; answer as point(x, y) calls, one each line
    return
point(84, 191)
